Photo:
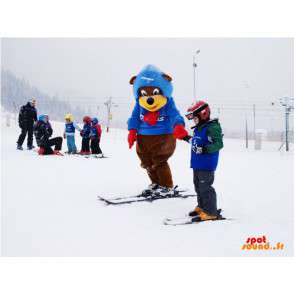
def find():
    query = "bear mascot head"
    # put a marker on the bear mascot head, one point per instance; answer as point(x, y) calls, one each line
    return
point(152, 88)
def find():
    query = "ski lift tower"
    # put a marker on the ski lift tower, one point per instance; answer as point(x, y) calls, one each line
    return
point(288, 104)
point(109, 104)
point(194, 73)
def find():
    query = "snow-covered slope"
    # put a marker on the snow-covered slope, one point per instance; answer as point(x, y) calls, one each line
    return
point(49, 204)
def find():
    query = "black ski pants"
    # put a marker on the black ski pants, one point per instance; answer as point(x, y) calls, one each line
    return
point(95, 147)
point(26, 129)
point(85, 145)
point(57, 142)
point(206, 196)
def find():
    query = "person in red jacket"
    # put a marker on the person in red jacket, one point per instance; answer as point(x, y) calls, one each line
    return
point(95, 136)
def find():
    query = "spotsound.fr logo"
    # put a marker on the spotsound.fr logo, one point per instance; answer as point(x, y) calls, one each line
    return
point(260, 243)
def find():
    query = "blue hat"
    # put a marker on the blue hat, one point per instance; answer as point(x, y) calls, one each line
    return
point(94, 120)
point(151, 76)
point(42, 117)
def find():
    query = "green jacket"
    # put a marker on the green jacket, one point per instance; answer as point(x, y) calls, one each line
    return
point(215, 136)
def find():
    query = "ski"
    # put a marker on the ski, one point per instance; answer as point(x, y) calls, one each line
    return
point(140, 198)
point(176, 190)
point(86, 156)
point(95, 156)
point(190, 220)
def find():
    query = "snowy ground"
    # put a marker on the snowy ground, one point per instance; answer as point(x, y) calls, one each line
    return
point(49, 205)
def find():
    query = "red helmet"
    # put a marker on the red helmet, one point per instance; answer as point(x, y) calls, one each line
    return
point(200, 109)
point(87, 119)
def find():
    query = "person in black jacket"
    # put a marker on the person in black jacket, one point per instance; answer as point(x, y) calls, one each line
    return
point(43, 131)
point(27, 117)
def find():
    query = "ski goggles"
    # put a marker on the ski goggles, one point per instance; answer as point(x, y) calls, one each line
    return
point(191, 114)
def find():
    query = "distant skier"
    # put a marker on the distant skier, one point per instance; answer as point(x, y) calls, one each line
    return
point(85, 133)
point(69, 133)
point(43, 131)
point(95, 136)
point(206, 143)
point(26, 118)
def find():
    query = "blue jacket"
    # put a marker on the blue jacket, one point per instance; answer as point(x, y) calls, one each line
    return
point(209, 137)
point(70, 128)
point(86, 131)
point(95, 131)
point(169, 116)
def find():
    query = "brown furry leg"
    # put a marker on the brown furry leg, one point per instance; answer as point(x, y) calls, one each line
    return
point(160, 164)
point(164, 174)
point(154, 151)
point(146, 162)
point(152, 176)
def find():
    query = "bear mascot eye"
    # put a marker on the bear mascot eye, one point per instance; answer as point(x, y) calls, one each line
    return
point(143, 93)
point(156, 91)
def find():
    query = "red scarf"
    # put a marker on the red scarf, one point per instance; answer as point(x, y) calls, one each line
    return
point(151, 118)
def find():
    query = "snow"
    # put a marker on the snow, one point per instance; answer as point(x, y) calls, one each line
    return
point(50, 206)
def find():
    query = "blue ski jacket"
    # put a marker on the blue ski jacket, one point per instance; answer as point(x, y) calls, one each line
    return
point(86, 131)
point(70, 128)
point(209, 137)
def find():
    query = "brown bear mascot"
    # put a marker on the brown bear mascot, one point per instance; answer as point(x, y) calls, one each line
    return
point(155, 124)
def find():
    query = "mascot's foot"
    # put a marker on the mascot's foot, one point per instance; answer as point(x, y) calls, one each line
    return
point(165, 191)
point(150, 190)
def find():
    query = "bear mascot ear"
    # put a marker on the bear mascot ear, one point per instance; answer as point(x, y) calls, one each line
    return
point(132, 80)
point(167, 77)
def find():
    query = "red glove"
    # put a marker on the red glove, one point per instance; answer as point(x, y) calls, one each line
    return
point(180, 132)
point(151, 117)
point(132, 137)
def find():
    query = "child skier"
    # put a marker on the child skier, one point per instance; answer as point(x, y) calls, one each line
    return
point(95, 136)
point(69, 133)
point(85, 133)
point(206, 143)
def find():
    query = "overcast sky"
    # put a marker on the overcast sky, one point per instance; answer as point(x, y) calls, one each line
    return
point(230, 71)
point(227, 68)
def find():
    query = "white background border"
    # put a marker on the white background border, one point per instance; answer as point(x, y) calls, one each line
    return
point(127, 18)
point(149, 18)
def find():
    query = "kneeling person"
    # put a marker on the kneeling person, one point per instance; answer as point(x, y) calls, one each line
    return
point(43, 131)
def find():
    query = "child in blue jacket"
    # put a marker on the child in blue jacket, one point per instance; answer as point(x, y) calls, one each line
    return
point(69, 133)
point(85, 133)
point(206, 143)
point(95, 136)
